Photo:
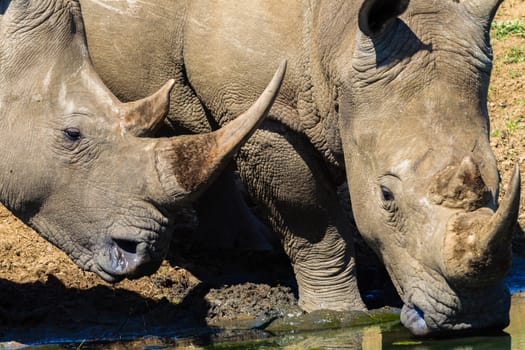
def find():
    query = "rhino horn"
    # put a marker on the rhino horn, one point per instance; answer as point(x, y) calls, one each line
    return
point(187, 164)
point(141, 118)
point(477, 245)
point(460, 186)
point(497, 235)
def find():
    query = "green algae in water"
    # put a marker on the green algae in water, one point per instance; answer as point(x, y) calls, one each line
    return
point(326, 319)
point(407, 342)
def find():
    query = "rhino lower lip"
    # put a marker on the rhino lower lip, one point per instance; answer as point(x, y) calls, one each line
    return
point(108, 277)
point(413, 318)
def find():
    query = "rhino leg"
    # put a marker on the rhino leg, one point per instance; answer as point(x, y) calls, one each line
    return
point(283, 172)
point(226, 221)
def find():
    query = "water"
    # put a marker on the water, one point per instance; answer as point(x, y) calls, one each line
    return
point(387, 335)
point(516, 279)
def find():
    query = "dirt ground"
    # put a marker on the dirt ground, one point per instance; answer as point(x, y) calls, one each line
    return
point(43, 295)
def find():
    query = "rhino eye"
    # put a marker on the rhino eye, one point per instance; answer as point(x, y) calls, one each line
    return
point(387, 194)
point(72, 134)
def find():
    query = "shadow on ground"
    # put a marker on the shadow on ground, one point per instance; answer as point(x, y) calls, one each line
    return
point(50, 312)
point(230, 287)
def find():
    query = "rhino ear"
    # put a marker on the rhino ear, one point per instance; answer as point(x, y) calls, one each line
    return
point(375, 15)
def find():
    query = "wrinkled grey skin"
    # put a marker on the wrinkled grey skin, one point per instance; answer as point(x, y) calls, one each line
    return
point(390, 93)
point(76, 164)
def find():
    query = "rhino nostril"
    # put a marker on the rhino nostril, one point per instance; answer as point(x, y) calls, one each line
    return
point(126, 245)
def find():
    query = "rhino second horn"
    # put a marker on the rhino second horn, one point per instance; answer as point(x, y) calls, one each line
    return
point(477, 245)
point(460, 187)
point(142, 117)
point(187, 164)
point(498, 233)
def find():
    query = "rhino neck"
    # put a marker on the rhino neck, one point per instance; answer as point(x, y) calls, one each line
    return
point(55, 25)
point(324, 57)
point(14, 181)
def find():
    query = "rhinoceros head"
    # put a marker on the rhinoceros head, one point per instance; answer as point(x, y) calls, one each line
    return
point(422, 177)
point(76, 164)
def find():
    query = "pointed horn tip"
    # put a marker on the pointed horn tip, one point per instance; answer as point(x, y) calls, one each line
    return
point(510, 204)
point(265, 101)
point(516, 174)
point(275, 83)
point(514, 186)
point(282, 68)
point(168, 86)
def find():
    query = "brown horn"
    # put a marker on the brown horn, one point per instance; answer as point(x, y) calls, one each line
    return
point(141, 118)
point(498, 232)
point(186, 164)
point(477, 245)
point(460, 187)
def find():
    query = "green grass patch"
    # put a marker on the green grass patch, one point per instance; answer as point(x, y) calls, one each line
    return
point(515, 74)
point(501, 29)
point(516, 54)
point(514, 123)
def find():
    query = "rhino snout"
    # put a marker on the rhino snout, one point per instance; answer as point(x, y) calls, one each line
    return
point(431, 311)
point(122, 258)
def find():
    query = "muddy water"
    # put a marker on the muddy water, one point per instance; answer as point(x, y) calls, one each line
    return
point(389, 335)
point(381, 331)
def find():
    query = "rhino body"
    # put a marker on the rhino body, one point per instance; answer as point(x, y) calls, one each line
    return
point(389, 95)
point(77, 164)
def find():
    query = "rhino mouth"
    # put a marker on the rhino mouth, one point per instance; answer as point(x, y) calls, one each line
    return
point(123, 258)
point(413, 318)
point(468, 312)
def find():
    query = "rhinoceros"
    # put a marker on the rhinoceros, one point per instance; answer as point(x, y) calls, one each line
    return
point(389, 95)
point(77, 164)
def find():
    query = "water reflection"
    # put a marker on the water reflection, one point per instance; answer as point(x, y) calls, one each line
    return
point(392, 335)
point(373, 338)
point(383, 336)
point(367, 338)
point(517, 322)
